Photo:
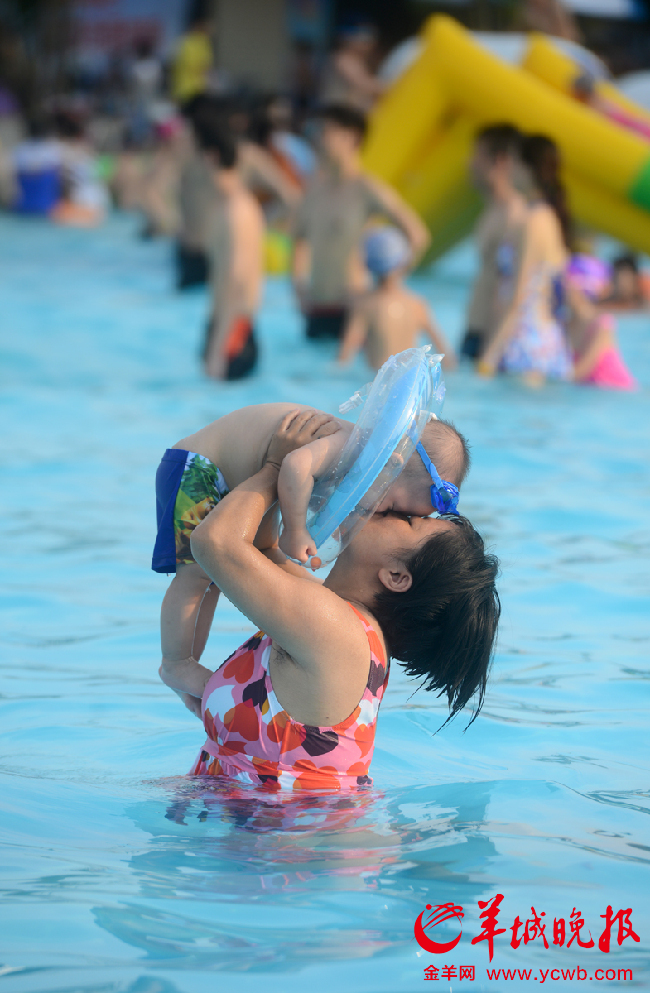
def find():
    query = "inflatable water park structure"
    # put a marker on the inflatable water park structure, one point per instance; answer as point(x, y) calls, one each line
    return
point(421, 134)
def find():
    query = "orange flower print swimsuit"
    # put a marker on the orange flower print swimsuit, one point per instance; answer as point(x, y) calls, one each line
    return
point(252, 739)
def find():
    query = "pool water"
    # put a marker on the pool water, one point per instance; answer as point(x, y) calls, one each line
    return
point(119, 875)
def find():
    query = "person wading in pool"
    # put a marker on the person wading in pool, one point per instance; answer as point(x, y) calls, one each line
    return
point(499, 234)
point(236, 259)
point(327, 270)
point(530, 340)
point(296, 706)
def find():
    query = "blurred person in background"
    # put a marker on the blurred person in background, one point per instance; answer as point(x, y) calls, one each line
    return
point(389, 317)
point(35, 170)
point(158, 196)
point(303, 80)
point(272, 129)
point(85, 200)
point(327, 268)
point(548, 16)
point(193, 59)
point(127, 181)
point(597, 360)
point(189, 181)
point(195, 200)
point(498, 234)
point(262, 173)
point(144, 83)
point(585, 90)
point(530, 341)
point(236, 250)
point(347, 75)
point(628, 289)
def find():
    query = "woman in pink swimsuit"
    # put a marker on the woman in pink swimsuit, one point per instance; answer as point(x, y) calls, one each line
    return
point(296, 706)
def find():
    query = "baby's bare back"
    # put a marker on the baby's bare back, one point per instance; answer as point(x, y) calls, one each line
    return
point(238, 442)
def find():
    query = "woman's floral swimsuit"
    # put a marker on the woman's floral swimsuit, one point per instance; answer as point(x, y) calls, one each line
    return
point(252, 739)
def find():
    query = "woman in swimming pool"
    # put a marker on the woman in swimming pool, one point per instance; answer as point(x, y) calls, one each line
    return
point(297, 706)
point(530, 340)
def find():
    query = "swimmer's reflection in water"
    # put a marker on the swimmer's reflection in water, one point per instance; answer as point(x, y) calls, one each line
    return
point(214, 846)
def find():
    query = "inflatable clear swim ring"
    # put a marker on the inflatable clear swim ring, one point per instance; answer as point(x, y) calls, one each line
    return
point(396, 407)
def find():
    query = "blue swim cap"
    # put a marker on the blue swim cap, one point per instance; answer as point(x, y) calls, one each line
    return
point(386, 249)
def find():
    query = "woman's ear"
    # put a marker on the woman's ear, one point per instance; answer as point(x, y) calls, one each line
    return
point(396, 580)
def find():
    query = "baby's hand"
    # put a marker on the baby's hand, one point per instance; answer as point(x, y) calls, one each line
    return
point(298, 544)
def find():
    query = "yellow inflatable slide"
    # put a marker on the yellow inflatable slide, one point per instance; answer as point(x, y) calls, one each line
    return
point(421, 134)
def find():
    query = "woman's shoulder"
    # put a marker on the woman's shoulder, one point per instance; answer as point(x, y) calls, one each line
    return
point(543, 228)
point(541, 216)
point(374, 635)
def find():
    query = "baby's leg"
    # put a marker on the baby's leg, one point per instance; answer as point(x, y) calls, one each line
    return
point(295, 484)
point(185, 620)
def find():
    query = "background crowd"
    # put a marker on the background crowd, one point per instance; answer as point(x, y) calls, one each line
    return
point(245, 182)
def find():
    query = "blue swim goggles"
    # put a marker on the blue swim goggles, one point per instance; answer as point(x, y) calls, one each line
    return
point(444, 495)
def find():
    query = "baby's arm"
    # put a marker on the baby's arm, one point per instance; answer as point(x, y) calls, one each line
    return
point(295, 483)
point(186, 616)
point(434, 332)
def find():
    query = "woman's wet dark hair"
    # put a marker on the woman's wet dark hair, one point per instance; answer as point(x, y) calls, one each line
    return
point(542, 157)
point(444, 627)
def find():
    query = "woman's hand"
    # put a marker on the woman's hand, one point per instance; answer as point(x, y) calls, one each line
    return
point(298, 428)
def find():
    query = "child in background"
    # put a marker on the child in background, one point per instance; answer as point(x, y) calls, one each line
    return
point(199, 472)
point(34, 171)
point(85, 198)
point(592, 335)
point(388, 318)
point(627, 289)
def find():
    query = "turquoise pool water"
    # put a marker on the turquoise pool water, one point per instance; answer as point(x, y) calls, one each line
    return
point(118, 875)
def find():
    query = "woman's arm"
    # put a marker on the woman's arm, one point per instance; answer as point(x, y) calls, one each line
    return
point(310, 622)
point(390, 203)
